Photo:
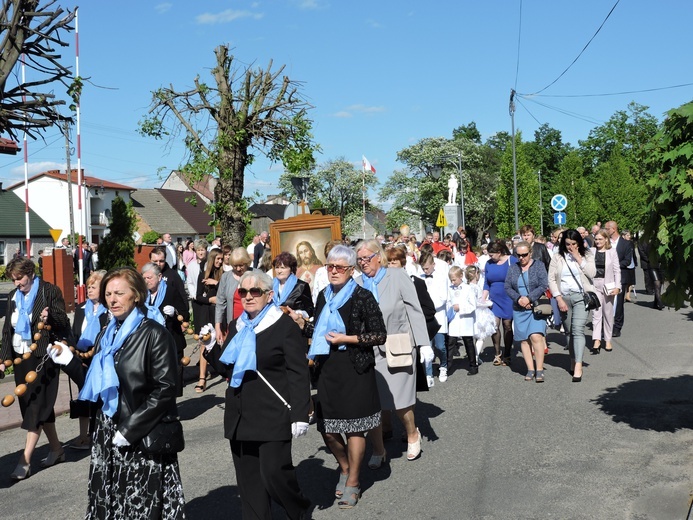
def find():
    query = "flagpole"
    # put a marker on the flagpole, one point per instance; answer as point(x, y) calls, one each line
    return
point(363, 199)
point(26, 169)
point(81, 289)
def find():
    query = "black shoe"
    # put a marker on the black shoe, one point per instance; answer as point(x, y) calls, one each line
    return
point(473, 371)
point(616, 333)
point(577, 379)
point(659, 306)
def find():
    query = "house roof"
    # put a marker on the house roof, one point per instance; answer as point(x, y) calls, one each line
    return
point(167, 211)
point(12, 223)
point(202, 187)
point(91, 182)
point(273, 212)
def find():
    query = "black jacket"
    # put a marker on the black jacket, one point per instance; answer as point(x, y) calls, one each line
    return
point(253, 412)
point(299, 298)
point(427, 306)
point(147, 368)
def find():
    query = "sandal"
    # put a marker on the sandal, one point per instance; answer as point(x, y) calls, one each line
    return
point(414, 448)
point(497, 361)
point(339, 490)
point(377, 460)
point(540, 376)
point(530, 375)
point(201, 388)
point(352, 494)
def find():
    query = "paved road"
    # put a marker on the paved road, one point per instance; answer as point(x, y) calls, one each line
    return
point(619, 445)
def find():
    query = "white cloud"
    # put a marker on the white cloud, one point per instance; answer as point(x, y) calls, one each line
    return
point(351, 110)
point(343, 114)
point(311, 4)
point(373, 24)
point(226, 16)
point(163, 7)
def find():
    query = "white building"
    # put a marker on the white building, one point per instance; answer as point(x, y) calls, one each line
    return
point(49, 198)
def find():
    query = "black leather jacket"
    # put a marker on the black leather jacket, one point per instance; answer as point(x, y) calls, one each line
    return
point(147, 368)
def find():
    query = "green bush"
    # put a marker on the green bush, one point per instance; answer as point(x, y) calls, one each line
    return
point(150, 237)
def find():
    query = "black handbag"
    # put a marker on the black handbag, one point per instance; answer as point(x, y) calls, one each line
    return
point(165, 438)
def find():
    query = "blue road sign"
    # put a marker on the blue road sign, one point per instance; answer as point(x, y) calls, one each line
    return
point(559, 202)
point(559, 218)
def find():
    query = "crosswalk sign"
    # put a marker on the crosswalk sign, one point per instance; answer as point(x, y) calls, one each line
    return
point(442, 221)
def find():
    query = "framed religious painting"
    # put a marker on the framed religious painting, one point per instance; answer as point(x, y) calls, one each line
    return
point(305, 237)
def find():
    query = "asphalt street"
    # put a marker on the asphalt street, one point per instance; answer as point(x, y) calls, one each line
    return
point(618, 445)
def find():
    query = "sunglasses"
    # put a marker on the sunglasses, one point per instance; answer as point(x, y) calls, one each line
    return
point(255, 292)
point(366, 259)
point(522, 255)
point(341, 269)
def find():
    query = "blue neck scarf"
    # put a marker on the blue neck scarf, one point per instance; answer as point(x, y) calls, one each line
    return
point(240, 352)
point(86, 340)
point(24, 305)
point(371, 283)
point(102, 379)
point(153, 311)
point(288, 287)
point(330, 320)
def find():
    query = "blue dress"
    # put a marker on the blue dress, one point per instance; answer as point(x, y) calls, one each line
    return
point(494, 283)
point(524, 322)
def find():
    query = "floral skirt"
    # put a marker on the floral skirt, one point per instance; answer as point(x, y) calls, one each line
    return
point(126, 484)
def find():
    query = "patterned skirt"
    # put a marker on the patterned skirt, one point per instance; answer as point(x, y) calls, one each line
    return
point(126, 484)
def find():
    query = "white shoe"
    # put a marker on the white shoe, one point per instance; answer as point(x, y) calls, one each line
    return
point(443, 375)
point(431, 382)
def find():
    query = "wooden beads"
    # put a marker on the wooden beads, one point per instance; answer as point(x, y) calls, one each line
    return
point(189, 331)
point(206, 337)
point(185, 361)
point(26, 355)
point(196, 337)
point(8, 363)
point(20, 390)
point(37, 336)
point(180, 317)
point(33, 347)
point(31, 377)
point(17, 360)
point(40, 325)
point(185, 324)
point(7, 400)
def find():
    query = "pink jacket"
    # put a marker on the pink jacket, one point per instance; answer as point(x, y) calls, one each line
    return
point(612, 271)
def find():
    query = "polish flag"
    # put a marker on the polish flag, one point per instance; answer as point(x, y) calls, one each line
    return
point(367, 165)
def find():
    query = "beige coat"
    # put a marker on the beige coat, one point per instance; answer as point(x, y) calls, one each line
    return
point(584, 275)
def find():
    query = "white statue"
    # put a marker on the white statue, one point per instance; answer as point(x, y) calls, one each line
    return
point(452, 189)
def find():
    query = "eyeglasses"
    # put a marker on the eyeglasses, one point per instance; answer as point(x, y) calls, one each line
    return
point(255, 292)
point(341, 269)
point(365, 259)
point(522, 255)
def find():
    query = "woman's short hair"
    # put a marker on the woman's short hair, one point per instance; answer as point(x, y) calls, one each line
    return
point(527, 228)
point(134, 281)
point(498, 246)
point(240, 256)
point(329, 245)
point(471, 272)
point(524, 243)
point(20, 267)
point(287, 260)
point(342, 252)
point(575, 236)
point(201, 243)
point(602, 233)
point(374, 247)
point(262, 280)
point(151, 266)
point(96, 275)
point(397, 254)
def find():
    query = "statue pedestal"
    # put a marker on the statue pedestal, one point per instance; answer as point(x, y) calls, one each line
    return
point(453, 216)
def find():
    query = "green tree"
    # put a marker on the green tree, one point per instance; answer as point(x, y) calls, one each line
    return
point(620, 196)
point(246, 110)
point(469, 131)
point(670, 203)
point(117, 249)
point(337, 186)
point(527, 192)
point(582, 209)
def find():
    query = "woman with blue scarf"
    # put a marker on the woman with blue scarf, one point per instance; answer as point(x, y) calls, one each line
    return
point(264, 359)
point(34, 301)
point(164, 305)
point(289, 290)
point(348, 325)
point(132, 378)
point(90, 318)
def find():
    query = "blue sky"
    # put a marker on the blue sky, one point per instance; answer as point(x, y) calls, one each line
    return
point(381, 75)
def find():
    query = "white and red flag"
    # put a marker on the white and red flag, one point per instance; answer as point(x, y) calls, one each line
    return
point(367, 165)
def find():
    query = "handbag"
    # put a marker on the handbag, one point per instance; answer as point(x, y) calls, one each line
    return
point(166, 437)
point(590, 298)
point(398, 350)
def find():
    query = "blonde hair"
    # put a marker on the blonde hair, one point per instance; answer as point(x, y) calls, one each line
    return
point(374, 247)
point(455, 271)
point(607, 238)
point(471, 273)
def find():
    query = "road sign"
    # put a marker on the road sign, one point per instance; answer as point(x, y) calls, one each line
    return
point(442, 221)
point(559, 218)
point(55, 234)
point(559, 202)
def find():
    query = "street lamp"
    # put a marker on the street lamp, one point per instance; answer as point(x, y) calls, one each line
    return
point(437, 171)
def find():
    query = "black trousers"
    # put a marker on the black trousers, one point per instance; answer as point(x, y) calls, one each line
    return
point(264, 471)
point(618, 316)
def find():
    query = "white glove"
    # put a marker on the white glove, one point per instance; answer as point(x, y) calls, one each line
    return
point(62, 358)
point(169, 310)
point(119, 441)
point(208, 329)
point(426, 354)
point(298, 429)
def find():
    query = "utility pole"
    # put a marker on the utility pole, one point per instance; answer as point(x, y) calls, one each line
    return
point(512, 119)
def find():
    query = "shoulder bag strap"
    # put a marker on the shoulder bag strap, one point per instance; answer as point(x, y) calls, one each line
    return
point(571, 272)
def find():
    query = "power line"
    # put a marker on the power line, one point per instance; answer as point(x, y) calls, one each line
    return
point(519, 39)
point(564, 112)
point(523, 106)
point(609, 93)
point(581, 52)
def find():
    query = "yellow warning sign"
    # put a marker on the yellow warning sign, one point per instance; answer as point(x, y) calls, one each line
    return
point(55, 234)
point(442, 221)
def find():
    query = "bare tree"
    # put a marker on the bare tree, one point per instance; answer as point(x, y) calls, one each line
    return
point(34, 31)
point(248, 109)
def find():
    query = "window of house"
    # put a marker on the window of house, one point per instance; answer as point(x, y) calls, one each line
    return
point(2, 252)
